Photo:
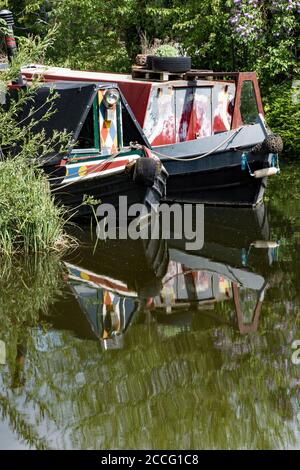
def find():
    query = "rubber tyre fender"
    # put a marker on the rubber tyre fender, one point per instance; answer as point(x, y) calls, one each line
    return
point(146, 170)
point(272, 144)
point(149, 62)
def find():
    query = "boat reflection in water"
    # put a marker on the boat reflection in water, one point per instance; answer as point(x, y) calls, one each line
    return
point(177, 365)
point(122, 276)
point(125, 281)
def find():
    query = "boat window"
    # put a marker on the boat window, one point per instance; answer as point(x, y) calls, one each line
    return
point(131, 132)
point(87, 138)
point(248, 105)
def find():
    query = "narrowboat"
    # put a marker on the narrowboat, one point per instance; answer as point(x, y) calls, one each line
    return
point(207, 128)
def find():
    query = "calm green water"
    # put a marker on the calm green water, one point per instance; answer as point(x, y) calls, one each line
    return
point(135, 345)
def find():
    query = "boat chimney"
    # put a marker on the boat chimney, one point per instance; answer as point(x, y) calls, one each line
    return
point(9, 39)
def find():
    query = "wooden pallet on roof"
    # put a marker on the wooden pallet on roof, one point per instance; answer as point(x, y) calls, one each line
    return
point(140, 73)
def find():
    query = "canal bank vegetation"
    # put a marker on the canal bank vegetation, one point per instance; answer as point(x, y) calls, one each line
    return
point(283, 112)
point(221, 35)
point(29, 287)
point(30, 222)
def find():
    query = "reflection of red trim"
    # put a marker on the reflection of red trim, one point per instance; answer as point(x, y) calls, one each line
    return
point(252, 327)
point(106, 283)
point(14, 86)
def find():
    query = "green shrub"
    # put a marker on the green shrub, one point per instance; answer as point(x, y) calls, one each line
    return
point(29, 219)
point(283, 115)
point(165, 50)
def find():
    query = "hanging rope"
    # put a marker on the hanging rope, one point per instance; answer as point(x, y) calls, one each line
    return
point(264, 172)
point(198, 157)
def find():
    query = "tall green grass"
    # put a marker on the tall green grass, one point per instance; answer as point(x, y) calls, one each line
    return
point(30, 222)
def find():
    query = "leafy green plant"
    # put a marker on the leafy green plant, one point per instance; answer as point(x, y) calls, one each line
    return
point(166, 50)
point(283, 115)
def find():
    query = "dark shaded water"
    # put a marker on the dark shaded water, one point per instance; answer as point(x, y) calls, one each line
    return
point(147, 345)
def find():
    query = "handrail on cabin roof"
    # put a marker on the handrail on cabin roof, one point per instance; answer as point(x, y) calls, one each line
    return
point(204, 73)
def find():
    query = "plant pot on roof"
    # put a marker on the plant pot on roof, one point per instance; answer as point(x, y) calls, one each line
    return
point(168, 59)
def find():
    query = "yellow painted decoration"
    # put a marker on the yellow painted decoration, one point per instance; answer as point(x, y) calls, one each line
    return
point(84, 276)
point(100, 96)
point(82, 171)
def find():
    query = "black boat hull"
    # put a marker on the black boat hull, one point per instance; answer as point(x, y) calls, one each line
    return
point(224, 184)
point(108, 190)
point(218, 169)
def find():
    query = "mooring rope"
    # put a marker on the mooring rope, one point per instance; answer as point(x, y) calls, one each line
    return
point(198, 157)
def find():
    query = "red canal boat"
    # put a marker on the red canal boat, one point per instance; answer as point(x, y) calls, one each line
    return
point(207, 128)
